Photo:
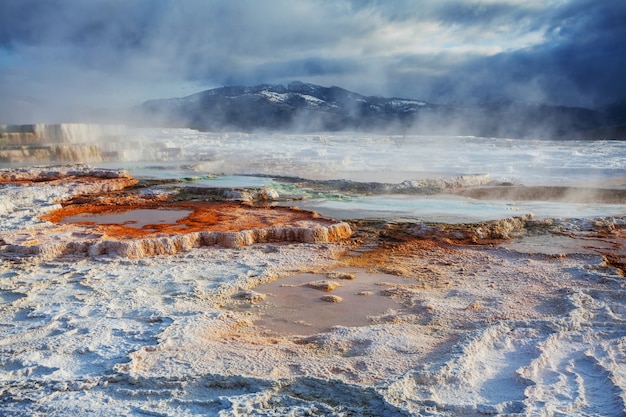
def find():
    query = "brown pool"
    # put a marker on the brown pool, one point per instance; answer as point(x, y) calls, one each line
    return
point(292, 307)
point(137, 218)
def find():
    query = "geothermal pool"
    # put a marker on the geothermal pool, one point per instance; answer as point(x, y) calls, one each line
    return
point(137, 218)
point(300, 304)
point(235, 159)
point(459, 302)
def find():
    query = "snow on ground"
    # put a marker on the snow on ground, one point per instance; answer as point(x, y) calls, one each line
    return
point(536, 326)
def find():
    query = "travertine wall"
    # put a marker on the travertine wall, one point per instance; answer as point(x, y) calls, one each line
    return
point(63, 133)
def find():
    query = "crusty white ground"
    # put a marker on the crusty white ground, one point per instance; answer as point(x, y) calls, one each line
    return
point(485, 330)
point(507, 333)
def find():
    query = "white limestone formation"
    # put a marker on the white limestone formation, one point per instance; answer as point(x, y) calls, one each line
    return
point(74, 244)
point(61, 133)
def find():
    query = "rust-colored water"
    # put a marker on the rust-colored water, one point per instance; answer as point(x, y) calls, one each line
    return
point(137, 218)
point(291, 307)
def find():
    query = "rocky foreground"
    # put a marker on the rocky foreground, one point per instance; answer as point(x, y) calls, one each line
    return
point(519, 316)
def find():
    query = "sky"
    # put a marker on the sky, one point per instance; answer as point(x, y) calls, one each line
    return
point(64, 59)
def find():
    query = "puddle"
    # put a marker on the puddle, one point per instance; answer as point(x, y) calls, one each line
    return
point(138, 218)
point(234, 181)
point(292, 307)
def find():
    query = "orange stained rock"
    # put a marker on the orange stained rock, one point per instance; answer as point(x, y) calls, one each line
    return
point(205, 216)
point(55, 180)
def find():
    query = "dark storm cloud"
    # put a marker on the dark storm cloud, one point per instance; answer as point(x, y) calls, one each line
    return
point(120, 52)
point(580, 62)
point(86, 26)
point(590, 49)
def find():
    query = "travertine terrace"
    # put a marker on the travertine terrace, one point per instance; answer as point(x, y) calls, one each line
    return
point(135, 298)
point(228, 224)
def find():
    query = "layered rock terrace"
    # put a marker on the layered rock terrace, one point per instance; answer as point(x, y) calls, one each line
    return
point(228, 223)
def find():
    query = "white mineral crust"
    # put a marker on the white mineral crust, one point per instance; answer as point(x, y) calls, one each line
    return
point(531, 327)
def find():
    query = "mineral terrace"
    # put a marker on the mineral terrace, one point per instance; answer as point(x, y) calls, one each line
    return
point(214, 305)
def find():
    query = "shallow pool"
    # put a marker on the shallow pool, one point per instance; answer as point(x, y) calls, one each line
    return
point(138, 218)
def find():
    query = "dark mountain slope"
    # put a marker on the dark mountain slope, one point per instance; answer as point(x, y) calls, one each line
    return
point(307, 107)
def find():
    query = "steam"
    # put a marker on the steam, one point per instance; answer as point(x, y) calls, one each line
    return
point(72, 60)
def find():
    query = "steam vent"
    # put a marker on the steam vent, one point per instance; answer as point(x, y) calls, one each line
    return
point(100, 212)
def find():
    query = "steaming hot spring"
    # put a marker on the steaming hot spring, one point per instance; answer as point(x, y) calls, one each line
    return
point(191, 273)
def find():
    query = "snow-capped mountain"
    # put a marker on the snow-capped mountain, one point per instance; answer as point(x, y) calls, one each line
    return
point(298, 106)
point(308, 107)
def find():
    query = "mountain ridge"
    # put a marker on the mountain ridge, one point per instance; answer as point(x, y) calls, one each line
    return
point(305, 107)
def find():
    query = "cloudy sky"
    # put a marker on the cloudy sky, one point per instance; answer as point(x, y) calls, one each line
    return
point(61, 57)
